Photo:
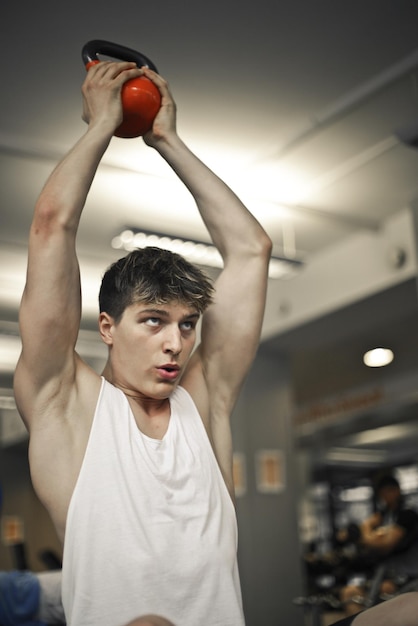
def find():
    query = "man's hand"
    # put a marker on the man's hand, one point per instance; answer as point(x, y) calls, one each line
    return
point(101, 91)
point(165, 121)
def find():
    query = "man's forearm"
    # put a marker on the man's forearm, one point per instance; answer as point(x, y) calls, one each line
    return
point(230, 224)
point(65, 192)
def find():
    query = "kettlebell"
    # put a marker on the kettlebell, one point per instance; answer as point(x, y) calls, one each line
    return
point(141, 99)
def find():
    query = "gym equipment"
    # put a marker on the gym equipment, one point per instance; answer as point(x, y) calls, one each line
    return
point(141, 99)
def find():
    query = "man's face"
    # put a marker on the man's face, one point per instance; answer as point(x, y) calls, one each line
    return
point(390, 495)
point(150, 347)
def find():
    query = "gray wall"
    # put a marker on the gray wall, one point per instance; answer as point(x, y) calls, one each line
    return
point(269, 550)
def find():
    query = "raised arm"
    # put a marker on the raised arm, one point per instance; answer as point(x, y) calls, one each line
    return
point(51, 304)
point(231, 327)
point(380, 538)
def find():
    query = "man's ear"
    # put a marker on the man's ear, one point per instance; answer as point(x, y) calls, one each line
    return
point(106, 323)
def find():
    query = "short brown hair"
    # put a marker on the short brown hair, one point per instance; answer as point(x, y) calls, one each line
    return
point(153, 275)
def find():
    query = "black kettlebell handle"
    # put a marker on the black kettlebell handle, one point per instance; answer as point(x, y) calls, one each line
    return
point(98, 46)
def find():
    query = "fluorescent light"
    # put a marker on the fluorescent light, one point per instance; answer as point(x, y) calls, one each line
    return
point(356, 494)
point(354, 456)
point(194, 251)
point(378, 357)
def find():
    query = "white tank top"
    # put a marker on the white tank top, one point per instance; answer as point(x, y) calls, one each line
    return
point(151, 527)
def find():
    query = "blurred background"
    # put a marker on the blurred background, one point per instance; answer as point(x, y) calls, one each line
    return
point(309, 111)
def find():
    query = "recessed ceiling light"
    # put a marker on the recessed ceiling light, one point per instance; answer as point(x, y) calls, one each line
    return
point(378, 357)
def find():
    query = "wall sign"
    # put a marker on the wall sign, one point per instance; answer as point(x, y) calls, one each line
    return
point(12, 530)
point(270, 471)
point(239, 469)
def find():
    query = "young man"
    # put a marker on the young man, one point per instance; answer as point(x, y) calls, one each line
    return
point(135, 466)
point(390, 537)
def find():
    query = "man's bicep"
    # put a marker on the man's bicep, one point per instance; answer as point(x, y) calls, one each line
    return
point(50, 310)
point(395, 535)
point(231, 327)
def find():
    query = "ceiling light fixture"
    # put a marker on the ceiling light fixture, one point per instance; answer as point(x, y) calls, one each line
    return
point(378, 357)
point(195, 251)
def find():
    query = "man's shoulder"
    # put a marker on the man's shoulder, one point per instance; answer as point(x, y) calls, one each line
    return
point(195, 383)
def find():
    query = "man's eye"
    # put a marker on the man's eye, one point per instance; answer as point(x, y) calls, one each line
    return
point(188, 325)
point(152, 321)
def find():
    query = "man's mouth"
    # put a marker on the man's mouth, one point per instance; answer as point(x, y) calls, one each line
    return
point(169, 371)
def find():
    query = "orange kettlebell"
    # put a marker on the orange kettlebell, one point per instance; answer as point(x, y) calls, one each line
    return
point(141, 99)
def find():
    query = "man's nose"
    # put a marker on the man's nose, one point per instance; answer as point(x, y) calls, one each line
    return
point(172, 340)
